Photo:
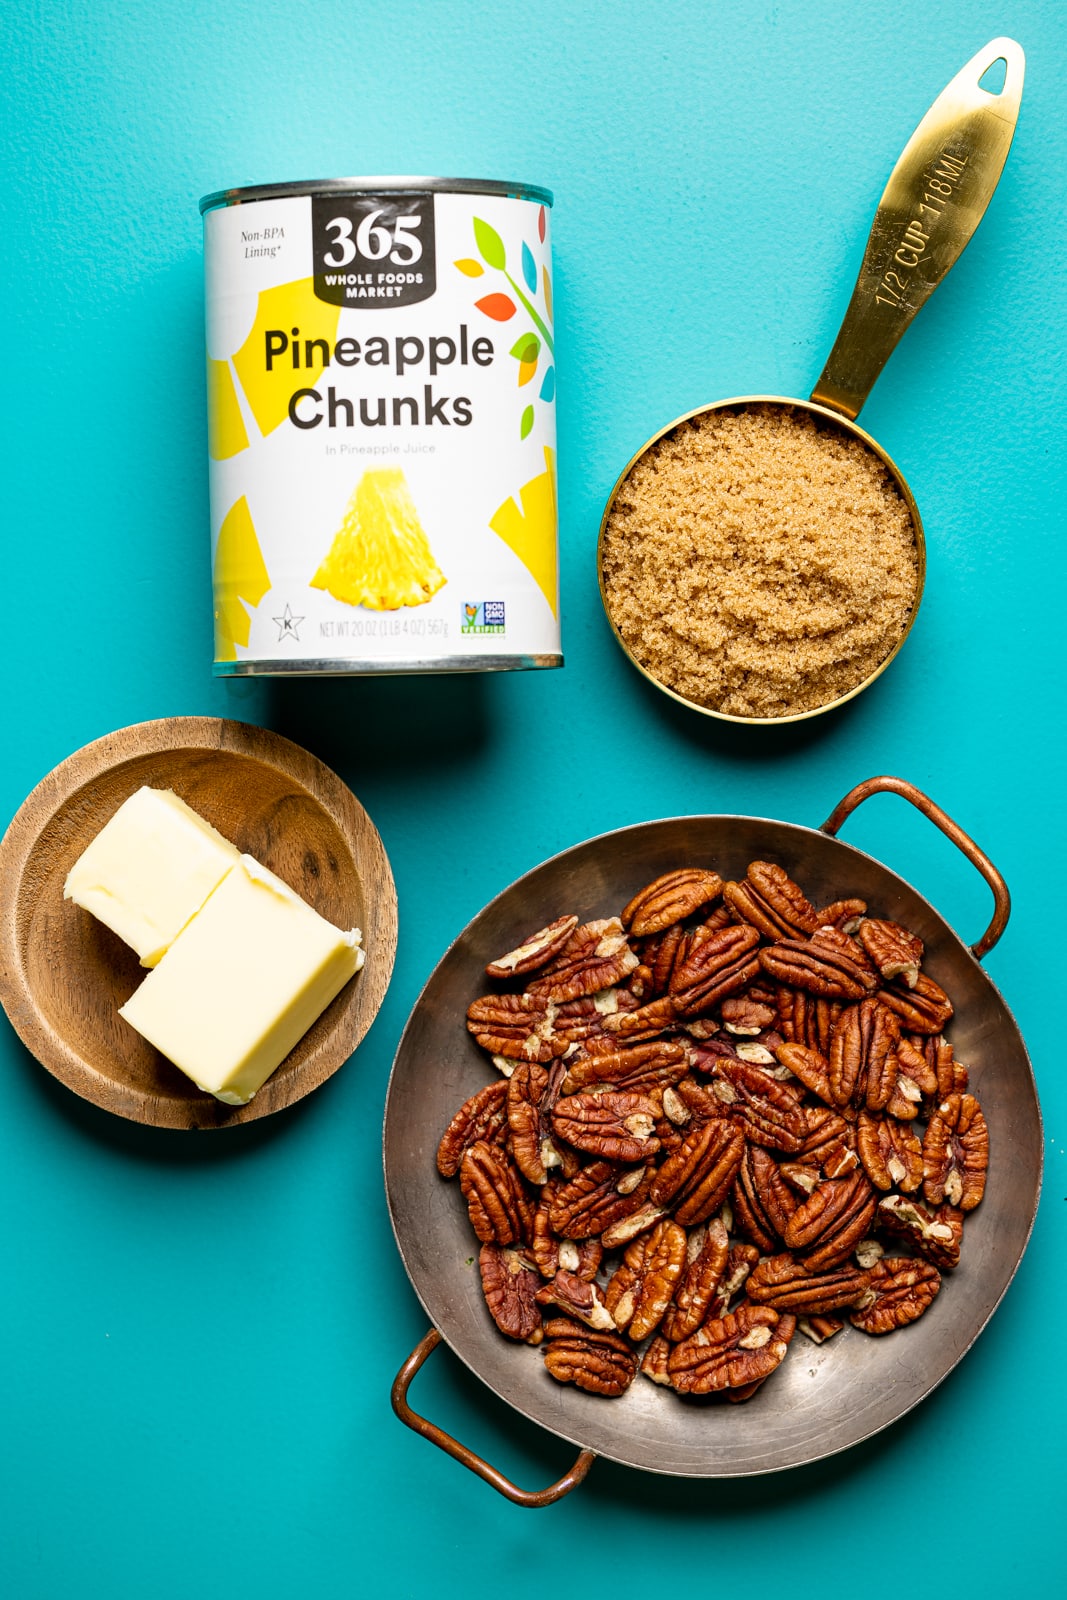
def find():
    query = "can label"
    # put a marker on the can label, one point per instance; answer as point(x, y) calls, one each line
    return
point(381, 420)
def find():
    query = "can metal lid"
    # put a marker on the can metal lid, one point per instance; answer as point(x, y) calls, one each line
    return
point(387, 185)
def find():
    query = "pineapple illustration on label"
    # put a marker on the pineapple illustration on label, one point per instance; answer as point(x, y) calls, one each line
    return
point(380, 557)
point(241, 580)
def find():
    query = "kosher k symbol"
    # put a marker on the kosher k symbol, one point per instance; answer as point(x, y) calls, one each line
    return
point(288, 624)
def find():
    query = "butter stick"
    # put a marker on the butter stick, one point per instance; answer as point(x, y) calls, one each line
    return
point(242, 983)
point(149, 869)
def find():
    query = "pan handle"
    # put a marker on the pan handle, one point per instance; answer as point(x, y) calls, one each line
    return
point(467, 1458)
point(951, 830)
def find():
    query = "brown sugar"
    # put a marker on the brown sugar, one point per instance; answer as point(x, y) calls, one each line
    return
point(759, 561)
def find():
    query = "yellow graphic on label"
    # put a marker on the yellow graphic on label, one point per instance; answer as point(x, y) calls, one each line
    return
point(380, 557)
point(286, 350)
point(240, 575)
point(531, 531)
point(226, 433)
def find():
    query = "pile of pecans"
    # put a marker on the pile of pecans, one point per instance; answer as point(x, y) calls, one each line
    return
point(705, 1134)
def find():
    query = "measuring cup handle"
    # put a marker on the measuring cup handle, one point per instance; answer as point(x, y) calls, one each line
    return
point(460, 1453)
point(935, 198)
point(951, 830)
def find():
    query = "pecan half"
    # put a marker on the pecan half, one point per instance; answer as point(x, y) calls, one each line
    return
point(597, 955)
point(925, 1008)
point(550, 1253)
point(843, 914)
point(639, 1221)
point(952, 1075)
point(611, 1124)
point(670, 898)
point(695, 1179)
point(769, 900)
point(892, 1155)
point(783, 1283)
point(513, 1025)
point(787, 1326)
point(483, 1116)
point(599, 1196)
point(862, 1063)
point(763, 1200)
point(581, 1027)
point(835, 942)
point(500, 1210)
point(655, 1359)
point(739, 1264)
point(935, 1234)
point(901, 1289)
point(806, 1019)
point(647, 1022)
point(509, 1282)
point(810, 1066)
point(746, 1017)
point(905, 1100)
point(707, 1252)
point(531, 1092)
point(577, 1297)
point(640, 1069)
point(535, 951)
point(956, 1153)
point(830, 1143)
point(700, 1104)
point(820, 971)
point(770, 1112)
point(658, 955)
point(719, 965)
point(737, 1349)
point(642, 1286)
point(916, 1064)
point(599, 1362)
point(895, 951)
point(826, 1227)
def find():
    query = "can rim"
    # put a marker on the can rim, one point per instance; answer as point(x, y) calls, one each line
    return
point(385, 185)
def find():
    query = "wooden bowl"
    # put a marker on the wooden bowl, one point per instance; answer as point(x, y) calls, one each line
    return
point(63, 975)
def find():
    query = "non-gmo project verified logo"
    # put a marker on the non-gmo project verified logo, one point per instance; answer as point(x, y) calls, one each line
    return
point(484, 616)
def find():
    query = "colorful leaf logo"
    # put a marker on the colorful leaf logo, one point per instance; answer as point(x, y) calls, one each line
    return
point(497, 306)
point(526, 347)
point(526, 351)
point(490, 244)
point(500, 307)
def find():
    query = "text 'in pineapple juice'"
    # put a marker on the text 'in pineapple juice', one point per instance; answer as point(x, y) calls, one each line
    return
point(382, 432)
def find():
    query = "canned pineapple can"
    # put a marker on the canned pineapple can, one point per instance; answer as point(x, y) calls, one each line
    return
point(381, 387)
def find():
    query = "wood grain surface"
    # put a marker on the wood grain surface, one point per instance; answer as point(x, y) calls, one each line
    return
point(63, 975)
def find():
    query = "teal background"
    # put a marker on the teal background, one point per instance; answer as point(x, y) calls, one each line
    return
point(199, 1333)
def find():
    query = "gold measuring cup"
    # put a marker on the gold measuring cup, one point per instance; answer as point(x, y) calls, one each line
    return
point(935, 198)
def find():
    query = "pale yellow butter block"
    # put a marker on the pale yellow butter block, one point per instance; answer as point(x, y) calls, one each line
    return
point(149, 870)
point(242, 983)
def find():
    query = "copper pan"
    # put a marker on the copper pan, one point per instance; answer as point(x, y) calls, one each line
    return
point(841, 1392)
